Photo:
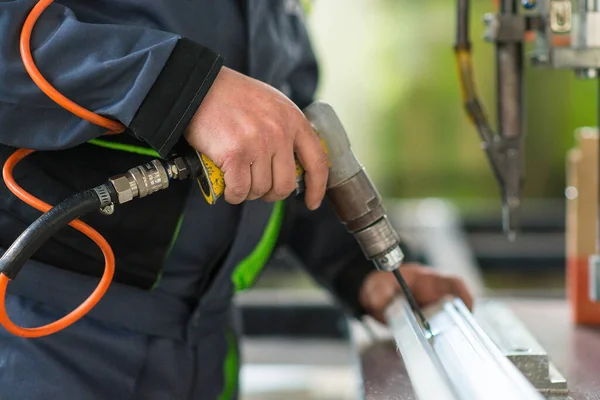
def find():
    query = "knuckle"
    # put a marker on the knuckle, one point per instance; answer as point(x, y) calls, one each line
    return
point(252, 134)
point(272, 124)
point(263, 142)
point(237, 187)
point(277, 131)
point(285, 187)
point(233, 154)
point(239, 190)
point(232, 198)
point(268, 184)
point(261, 189)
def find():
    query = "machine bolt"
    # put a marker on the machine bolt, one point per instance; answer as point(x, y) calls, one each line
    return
point(123, 188)
point(182, 170)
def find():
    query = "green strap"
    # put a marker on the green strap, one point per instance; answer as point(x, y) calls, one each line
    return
point(307, 5)
point(244, 275)
point(173, 240)
point(248, 269)
point(145, 151)
point(231, 368)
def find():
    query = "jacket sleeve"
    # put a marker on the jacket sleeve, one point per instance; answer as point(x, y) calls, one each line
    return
point(326, 249)
point(151, 81)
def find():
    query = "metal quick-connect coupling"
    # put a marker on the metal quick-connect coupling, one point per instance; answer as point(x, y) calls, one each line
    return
point(140, 181)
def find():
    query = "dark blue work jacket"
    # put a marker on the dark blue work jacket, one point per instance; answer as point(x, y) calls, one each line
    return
point(164, 328)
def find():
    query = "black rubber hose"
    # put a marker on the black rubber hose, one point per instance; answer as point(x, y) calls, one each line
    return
point(44, 227)
point(462, 50)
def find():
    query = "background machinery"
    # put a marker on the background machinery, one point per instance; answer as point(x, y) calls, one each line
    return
point(558, 34)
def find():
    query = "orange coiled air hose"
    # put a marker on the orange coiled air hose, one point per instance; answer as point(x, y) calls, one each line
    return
point(109, 258)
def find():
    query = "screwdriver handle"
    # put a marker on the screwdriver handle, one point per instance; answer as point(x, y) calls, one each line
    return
point(212, 180)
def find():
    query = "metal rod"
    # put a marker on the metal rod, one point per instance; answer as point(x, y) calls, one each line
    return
point(509, 64)
point(411, 300)
point(509, 92)
point(598, 167)
point(462, 23)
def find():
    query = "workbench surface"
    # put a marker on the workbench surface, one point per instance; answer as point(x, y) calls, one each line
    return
point(574, 350)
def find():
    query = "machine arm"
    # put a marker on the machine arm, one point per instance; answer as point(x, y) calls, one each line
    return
point(504, 149)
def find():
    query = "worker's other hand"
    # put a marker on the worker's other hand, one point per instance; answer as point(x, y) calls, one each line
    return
point(251, 132)
point(427, 286)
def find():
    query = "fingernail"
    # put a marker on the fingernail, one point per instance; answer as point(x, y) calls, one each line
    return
point(314, 206)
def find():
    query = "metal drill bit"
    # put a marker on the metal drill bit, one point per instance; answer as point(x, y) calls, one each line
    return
point(412, 301)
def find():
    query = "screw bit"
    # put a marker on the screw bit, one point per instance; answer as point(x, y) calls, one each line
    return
point(412, 301)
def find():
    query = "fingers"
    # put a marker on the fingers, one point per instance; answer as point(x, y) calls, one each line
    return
point(313, 159)
point(431, 286)
point(284, 175)
point(251, 131)
point(376, 293)
point(380, 293)
point(459, 289)
point(446, 285)
point(238, 180)
point(427, 286)
point(262, 178)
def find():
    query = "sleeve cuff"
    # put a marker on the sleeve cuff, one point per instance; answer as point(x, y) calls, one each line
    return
point(348, 282)
point(176, 95)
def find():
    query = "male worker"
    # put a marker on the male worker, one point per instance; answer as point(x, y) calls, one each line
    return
point(173, 72)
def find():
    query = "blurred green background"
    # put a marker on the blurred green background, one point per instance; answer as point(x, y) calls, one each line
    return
point(387, 66)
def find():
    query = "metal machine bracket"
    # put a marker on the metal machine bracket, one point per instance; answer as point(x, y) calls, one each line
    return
point(504, 28)
point(459, 361)
point(519, 346)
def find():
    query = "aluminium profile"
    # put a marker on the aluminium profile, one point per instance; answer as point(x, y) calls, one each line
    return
point(459, 361)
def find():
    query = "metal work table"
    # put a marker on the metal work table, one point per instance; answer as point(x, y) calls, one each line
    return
point(436, 232)
point(575, 351)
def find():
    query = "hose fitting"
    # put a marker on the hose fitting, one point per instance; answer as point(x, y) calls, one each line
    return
point(140, 181)
point(146, 179)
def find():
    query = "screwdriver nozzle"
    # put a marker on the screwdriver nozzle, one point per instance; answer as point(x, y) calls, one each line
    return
point(412, 301)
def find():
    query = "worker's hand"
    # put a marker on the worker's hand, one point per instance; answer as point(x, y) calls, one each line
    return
point(428, 286)
point(251, 132)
